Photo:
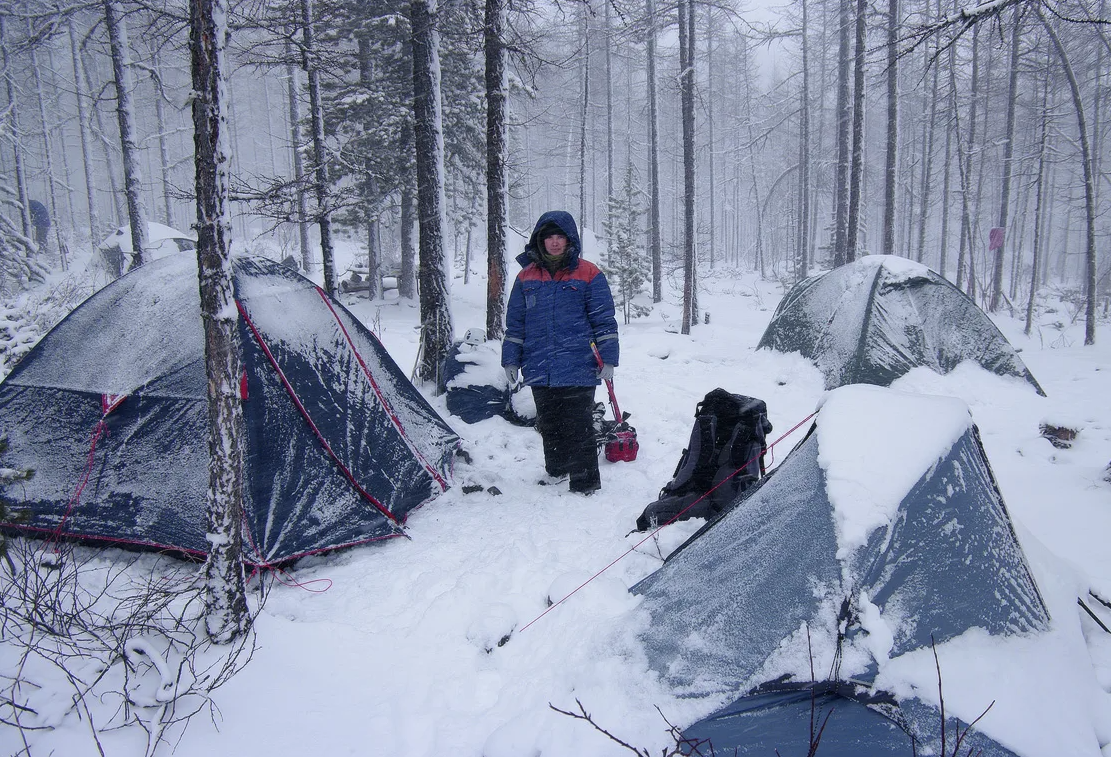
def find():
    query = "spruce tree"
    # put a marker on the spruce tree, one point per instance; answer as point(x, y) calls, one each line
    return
point(627, 265)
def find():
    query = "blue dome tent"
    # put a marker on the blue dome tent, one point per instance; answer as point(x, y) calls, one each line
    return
point(109, 411)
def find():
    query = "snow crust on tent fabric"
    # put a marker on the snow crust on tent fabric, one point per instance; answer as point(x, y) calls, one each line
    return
point(163, 344)
point(780, 723)
point(863, 502)
point(722, 603)
point(284, 301)
point(873, 320)
point(741, 602)
point(156, 233)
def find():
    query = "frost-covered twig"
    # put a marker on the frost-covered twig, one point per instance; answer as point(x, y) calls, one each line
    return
point(124, 633)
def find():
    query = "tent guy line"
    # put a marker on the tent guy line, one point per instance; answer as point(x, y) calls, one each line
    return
point(674, 518)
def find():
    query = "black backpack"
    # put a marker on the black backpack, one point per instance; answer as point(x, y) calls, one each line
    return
point(730, 433)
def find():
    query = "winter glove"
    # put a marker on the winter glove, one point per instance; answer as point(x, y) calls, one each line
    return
point(606, 372)
point(511, 374)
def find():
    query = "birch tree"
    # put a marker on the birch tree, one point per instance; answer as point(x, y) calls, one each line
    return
point(226, 615)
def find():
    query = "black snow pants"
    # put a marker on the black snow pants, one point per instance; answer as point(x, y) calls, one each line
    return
point(565, 419)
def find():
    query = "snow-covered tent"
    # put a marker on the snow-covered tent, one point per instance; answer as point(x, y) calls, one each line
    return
point(871, 321)
point(863, 549)
point(162, 241)
point(110, 412)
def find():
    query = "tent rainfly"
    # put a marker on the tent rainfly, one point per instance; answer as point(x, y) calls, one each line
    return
point(873, 320)
point(109, 411)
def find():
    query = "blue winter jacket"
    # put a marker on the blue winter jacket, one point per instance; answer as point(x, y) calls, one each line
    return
point(551, 320)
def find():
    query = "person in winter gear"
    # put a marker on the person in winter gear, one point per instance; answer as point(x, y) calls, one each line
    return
point(40, 219)
point(558, 306)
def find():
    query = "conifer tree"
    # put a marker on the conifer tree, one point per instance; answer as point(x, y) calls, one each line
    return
point(626, 265)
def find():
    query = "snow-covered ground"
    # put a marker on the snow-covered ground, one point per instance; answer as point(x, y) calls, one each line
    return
point(444, 643)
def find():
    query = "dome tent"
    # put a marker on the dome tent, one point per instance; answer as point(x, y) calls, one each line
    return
point(872, 320)
point(848, 562)
point(340, 447)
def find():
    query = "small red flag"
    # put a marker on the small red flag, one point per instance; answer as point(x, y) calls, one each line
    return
point(995, 238)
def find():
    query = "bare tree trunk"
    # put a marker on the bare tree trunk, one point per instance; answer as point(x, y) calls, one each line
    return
point(13, 121)
point(711, 151)
point(686, 89)
point(125, 112)
point(844, 137)
point(320, 153)
point(163, 147)
point(435, 303)
point(655, 238)
point(58, 86)
point(497, 152)
point(1008, 160)
point(891, 160)
point(294, 97)
point(52, 192)
point(119, 211)
point(802, 253)
point(226, 615)
point(964, 162)
point(928, 160)
point(407, 284)
point(86, 138)
point(856, 173)
point(609, 99)
point(1043, 142)
point(946, 185)
point(758, 203)
point(1089, 184)
point(585, 111)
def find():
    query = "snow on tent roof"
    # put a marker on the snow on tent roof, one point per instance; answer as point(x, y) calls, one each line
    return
point(874, 319)
point(863, 545)
point(156, 233)
point(340, 446)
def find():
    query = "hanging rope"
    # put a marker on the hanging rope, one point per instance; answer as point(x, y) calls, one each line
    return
point(676, 517)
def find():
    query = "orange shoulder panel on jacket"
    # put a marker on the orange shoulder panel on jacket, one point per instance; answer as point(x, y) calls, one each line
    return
point(584, 271)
